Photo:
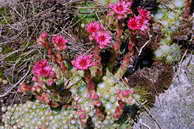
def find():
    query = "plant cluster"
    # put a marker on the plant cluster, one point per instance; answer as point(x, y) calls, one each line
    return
point(78, 87)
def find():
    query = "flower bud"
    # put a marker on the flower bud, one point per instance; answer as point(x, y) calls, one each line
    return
point(24, 88)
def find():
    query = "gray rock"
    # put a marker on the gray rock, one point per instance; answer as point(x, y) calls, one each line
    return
point(173, 109)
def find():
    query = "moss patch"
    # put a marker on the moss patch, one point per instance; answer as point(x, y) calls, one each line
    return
point(4, 16)
point(6, 50)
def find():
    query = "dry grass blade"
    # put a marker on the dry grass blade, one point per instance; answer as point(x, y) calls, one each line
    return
point(14, 86)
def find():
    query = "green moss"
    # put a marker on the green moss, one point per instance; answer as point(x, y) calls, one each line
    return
point(145, 96)
point(1, 73)
point(106, 2)
point(6, 50)
point(4, 16)
point(86, 13)
point(27, 44)
point(13, 57)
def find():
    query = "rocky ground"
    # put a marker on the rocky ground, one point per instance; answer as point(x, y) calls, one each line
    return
point(173, 109)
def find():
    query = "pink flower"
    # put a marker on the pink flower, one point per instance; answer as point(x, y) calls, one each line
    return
point(59, 42)
point(144, 13)
point(42, 39)
point(93, 27)
point(138, 23)
point(83, 62)
point(83, 116)
point(144, 23)
point(126, 93)
point(35, 79)
point(43, 69)
point(133, 24)
point(120, 9)
point(103, 38)
point(122, 94)
point(44, 35)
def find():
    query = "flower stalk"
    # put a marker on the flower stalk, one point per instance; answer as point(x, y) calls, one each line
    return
point(127, 59)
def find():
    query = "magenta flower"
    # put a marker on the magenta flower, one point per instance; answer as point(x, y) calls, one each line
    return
point(144, 23)
point(120, 9)
point(93, 27)
point(59, 42)
point(43, 69)
point(144, 13)
point(133, 24)
point(138, 23)
point(103, 38)
point(83, 62)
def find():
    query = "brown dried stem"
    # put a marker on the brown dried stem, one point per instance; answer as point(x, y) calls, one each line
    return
point(117, 44)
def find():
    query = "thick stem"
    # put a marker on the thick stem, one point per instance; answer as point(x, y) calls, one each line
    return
point(119, 110)
point(100, 113)
point(90, 83)
point(127, 59)
point(59, 61)
point(91, 87)
point(56, 58)
point(97, 57)
point(117, 44)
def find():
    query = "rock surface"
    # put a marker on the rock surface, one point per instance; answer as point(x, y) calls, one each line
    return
point(173, 109)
